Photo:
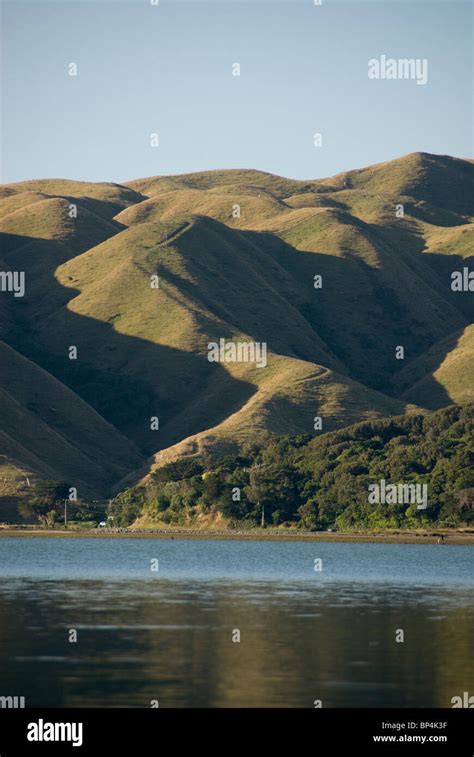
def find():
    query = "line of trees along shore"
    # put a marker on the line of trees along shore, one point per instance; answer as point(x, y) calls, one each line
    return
point(319, 483)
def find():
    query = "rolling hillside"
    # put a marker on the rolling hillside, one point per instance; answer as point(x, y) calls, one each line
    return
point(329, 274)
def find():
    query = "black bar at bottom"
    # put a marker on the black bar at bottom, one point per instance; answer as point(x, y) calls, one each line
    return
point(151, 731)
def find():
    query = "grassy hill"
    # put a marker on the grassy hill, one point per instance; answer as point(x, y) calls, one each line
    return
point(171, 327)
point(106, 199)
point(236, 254)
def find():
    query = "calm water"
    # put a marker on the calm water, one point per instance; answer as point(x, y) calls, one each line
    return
point(167, 635)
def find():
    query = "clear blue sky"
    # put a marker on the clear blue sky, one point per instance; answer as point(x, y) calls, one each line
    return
point(168, 69)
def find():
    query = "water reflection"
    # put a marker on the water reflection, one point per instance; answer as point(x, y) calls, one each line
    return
point(174, 644)
point(170, 637)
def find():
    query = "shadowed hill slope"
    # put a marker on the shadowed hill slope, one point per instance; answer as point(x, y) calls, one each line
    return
point(444, 370)
point(47, 428)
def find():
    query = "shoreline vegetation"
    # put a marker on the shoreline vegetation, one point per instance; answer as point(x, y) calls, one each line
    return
point(404, 474)
point(439, 536)
point(400, 479)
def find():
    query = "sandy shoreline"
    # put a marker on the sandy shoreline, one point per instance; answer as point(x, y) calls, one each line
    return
point(396, 537)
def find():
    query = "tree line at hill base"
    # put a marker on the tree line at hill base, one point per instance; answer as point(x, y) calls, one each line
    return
point(319, 483)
